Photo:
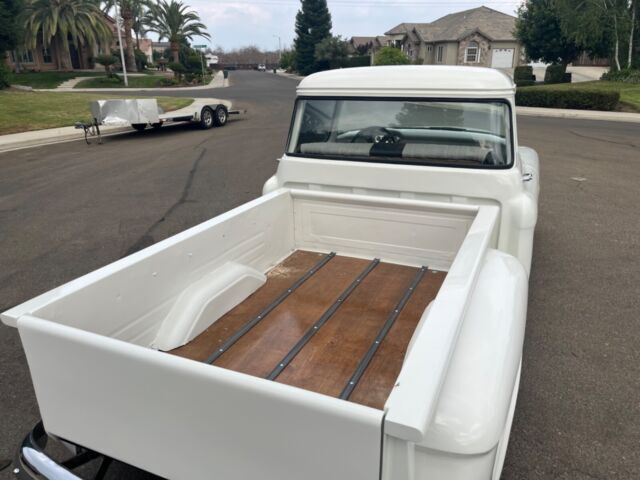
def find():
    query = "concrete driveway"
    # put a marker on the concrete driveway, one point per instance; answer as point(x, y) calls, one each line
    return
point(67, 209)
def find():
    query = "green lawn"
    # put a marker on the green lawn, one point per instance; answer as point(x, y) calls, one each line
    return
point(24, 111)
point(47, 79)
point(629, 92)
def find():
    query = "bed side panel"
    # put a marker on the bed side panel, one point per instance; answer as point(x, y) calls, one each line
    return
point(182, 419)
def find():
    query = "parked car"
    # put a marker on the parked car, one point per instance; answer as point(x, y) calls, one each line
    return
point(362, 319)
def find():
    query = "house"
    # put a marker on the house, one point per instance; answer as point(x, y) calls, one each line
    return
point(405, 37)
point(367, 45)
point(478, 37)
point(145, 45)
point(160, 47)
point(77, 57)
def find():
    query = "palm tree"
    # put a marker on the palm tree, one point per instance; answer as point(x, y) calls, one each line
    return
point(172, 20)
point(56, 22)
point(129, 10)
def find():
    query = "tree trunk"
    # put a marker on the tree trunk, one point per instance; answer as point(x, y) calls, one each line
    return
point(631, 35)
point(175, 51)
point(130, 58)
point(62, 53)
point(17, 65)
point(617, 44)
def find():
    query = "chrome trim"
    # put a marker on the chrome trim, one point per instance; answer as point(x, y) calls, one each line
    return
point(33, 464)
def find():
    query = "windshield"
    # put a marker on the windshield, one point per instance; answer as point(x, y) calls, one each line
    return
point(449, 133)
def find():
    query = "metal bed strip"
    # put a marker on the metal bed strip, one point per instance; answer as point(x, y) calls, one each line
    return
point(321, 321)
point(366, 359)
point(258, 318)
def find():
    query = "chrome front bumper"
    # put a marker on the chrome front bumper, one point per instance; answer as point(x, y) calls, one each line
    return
point(32, 463)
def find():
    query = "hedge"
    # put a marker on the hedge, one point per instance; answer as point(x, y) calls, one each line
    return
point(628, 75)
point(357, 61)
point(523, 76)
point(557, 74)
point(564, 98)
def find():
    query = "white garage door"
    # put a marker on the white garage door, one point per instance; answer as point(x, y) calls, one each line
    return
point(502, 57)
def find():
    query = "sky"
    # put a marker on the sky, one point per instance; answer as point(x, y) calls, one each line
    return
point(238, 23)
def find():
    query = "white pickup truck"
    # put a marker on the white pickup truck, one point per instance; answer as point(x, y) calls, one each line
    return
point(363, 319)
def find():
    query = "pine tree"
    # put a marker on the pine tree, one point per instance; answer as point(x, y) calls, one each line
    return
point(313, 24)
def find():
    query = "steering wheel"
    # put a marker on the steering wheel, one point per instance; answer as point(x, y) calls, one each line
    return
point(376, 135)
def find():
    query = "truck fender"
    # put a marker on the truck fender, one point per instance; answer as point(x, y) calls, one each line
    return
point(476, 396)
point(270, 185)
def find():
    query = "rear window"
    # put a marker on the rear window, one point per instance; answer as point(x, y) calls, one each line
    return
point(448, 133)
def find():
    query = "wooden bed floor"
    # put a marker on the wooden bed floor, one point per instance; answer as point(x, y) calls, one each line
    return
point(326, 363)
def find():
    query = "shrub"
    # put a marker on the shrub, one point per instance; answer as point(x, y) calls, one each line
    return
point(358, 61)
point(288, 60)
point(557, 73)
point(391, 56)
point(523, 76)
point(141, 59)
point(107, 61)
point(581, 99)
point(178, 69)
point(169, 82)
point(628, 75)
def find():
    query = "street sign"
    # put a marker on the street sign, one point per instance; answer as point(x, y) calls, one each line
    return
point(199, 46)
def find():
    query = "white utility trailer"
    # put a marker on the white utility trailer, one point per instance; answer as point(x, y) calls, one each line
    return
point(362, 320)
point(142, 113)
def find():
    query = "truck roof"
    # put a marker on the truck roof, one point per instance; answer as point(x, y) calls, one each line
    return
point(410, 80)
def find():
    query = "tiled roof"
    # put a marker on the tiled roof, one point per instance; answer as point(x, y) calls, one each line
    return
point(404, 28)
point(362, 41)
point(491, 23)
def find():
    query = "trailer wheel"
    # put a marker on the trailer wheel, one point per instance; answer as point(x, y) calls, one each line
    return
point(221, 116)
point(206, 118)
point(139, 126)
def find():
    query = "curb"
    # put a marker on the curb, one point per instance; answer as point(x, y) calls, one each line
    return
point(50, 136)
point(579, 114)
point(290, 75)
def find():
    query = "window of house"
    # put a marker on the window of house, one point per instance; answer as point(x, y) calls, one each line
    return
point(440, 53)
point(25, 56)
point(429, 48)
point(46, 56)
point(471, 54)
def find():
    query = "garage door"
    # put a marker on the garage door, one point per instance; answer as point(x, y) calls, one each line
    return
point(502, 57)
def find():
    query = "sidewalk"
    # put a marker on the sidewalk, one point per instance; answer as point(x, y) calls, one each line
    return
point(68, 85)
point(282, 73)
point(36, 138)
point(579, 114)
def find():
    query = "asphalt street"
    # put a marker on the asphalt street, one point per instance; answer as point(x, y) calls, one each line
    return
point(70, 208)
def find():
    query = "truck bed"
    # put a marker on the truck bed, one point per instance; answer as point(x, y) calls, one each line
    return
point(326, 363)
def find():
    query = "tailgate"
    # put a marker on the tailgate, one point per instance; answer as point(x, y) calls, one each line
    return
point(182, 419)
